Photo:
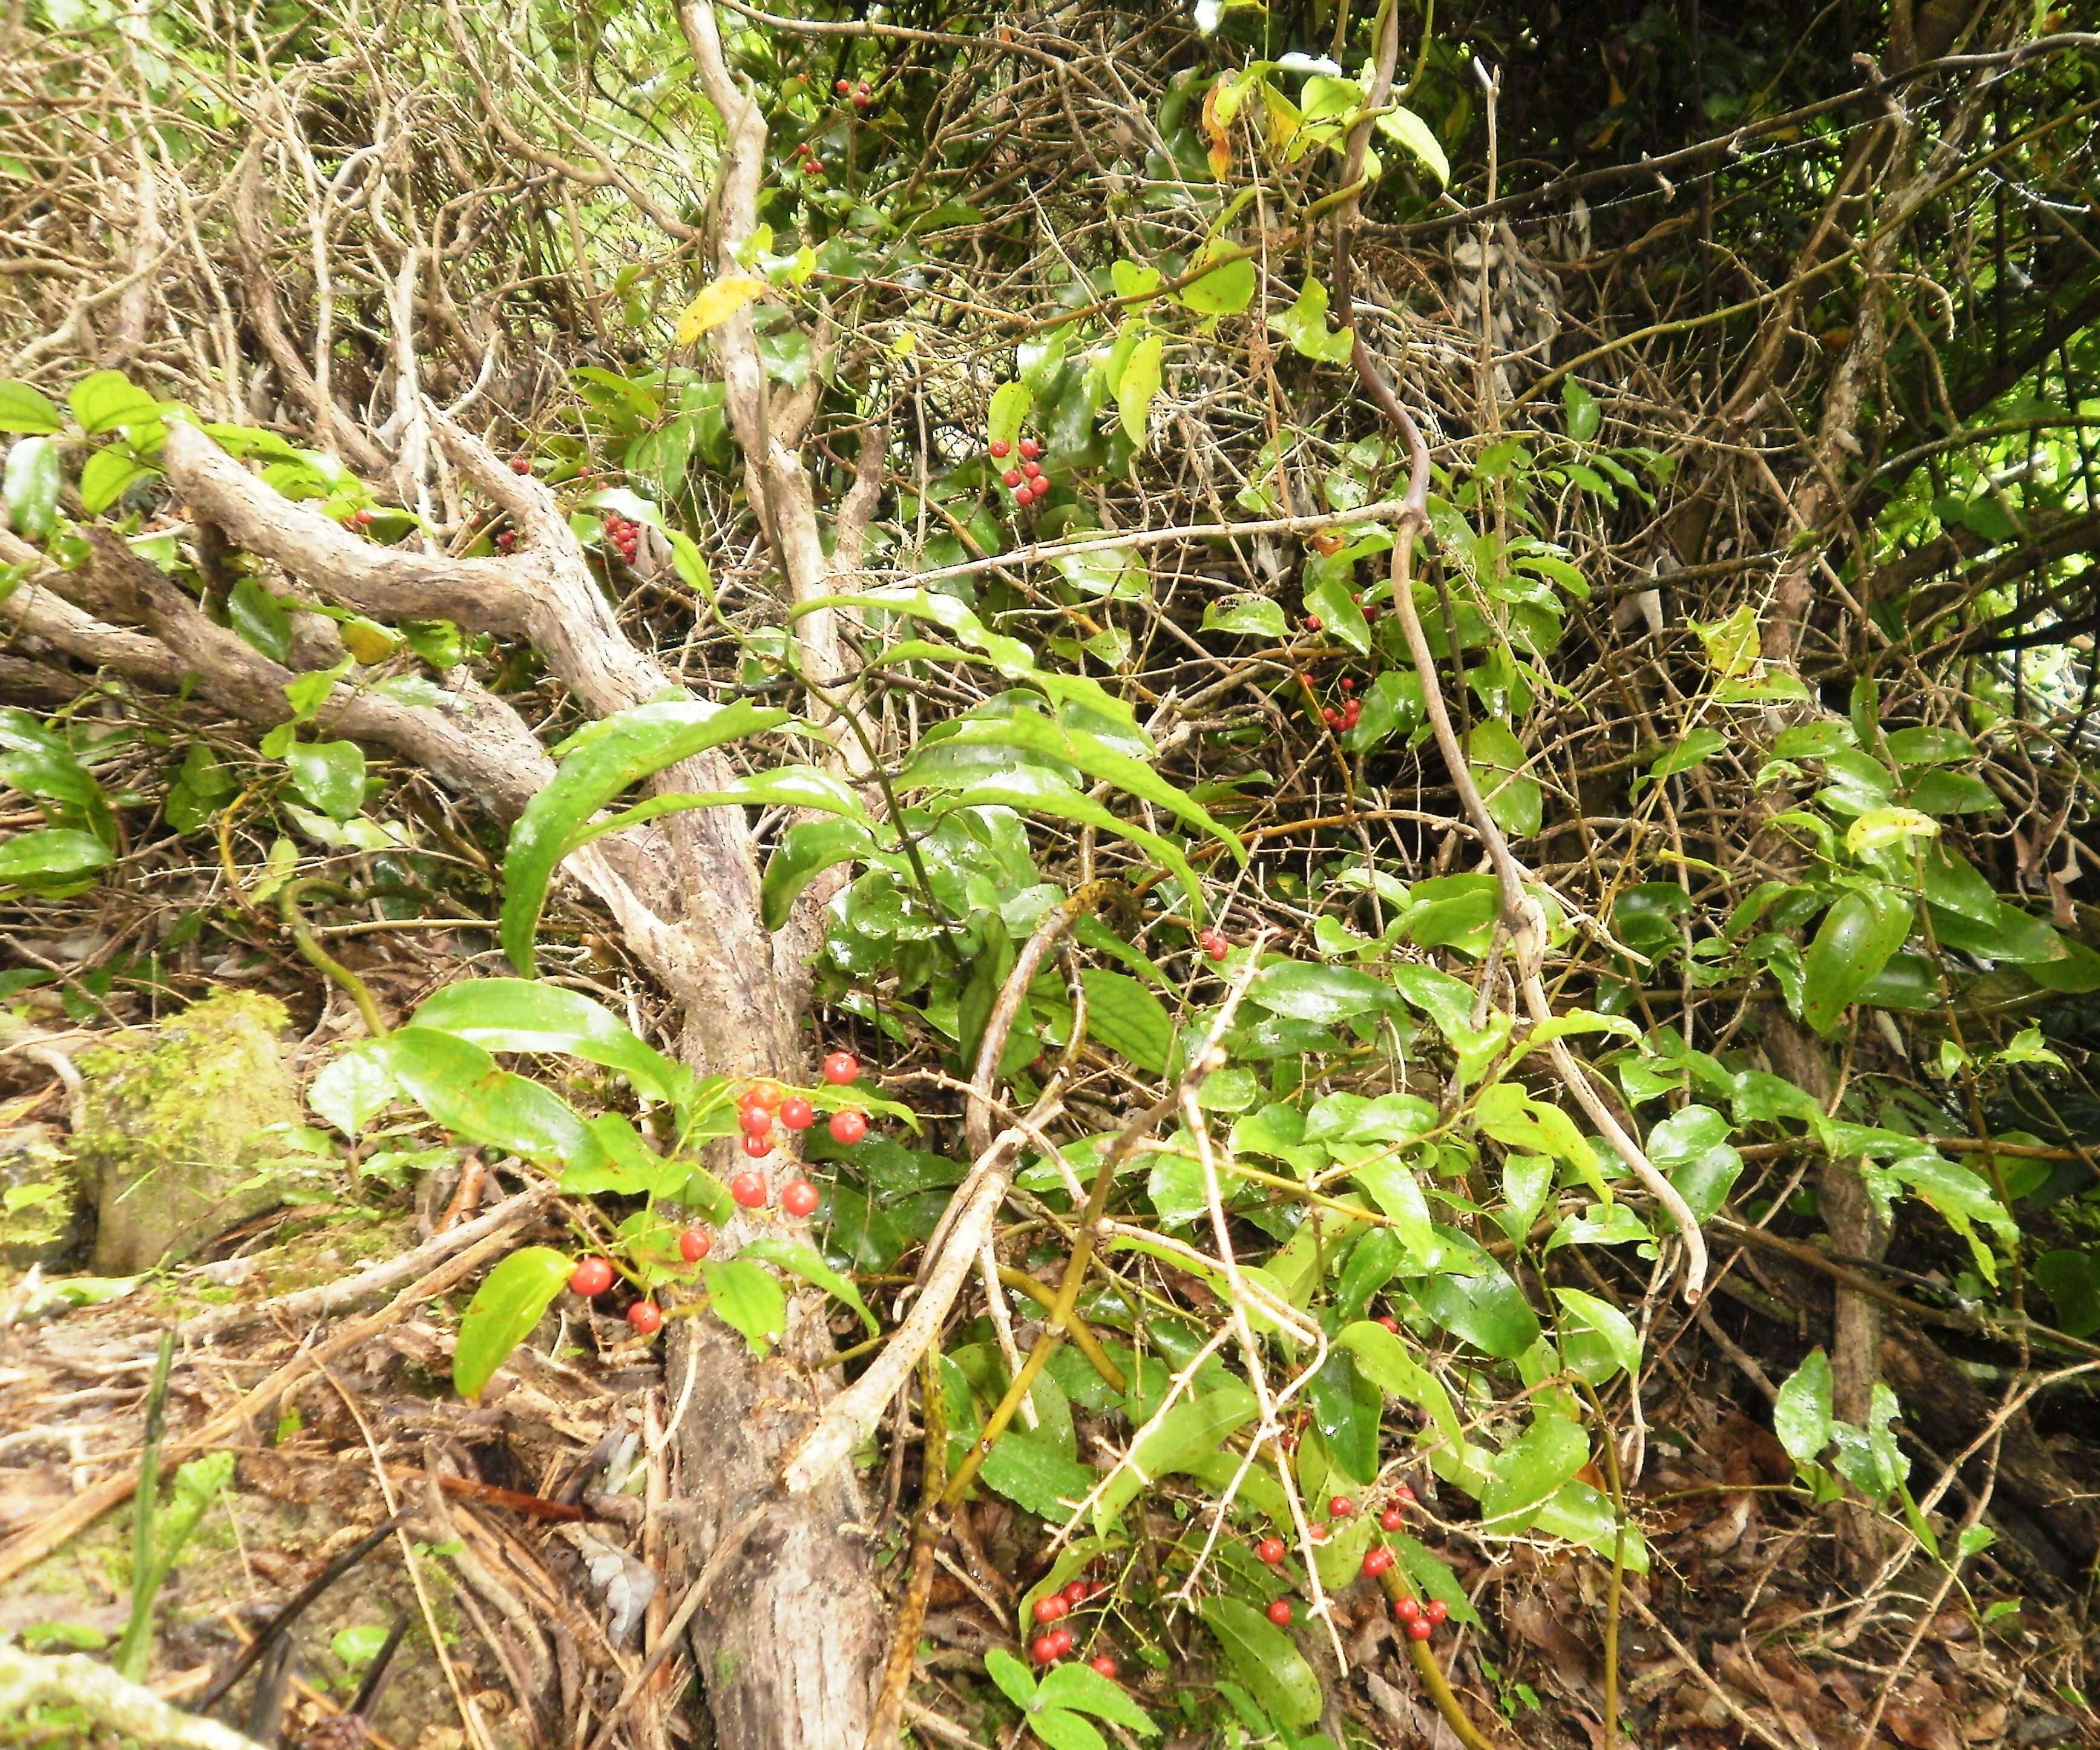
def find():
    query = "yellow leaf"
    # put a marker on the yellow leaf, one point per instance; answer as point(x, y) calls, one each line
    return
point(717, 305)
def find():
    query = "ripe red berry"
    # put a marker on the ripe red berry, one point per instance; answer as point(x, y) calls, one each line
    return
point(1024, 495)
point(847, 1127)
point(1042, 1649)
point(842, 86)
point(1061, 1642)
point(1077, 1594)
point(1049, 1608)
point(1436, 1610)
point(841, 1067)
point(797, 1113)
point(645, 1316)
point(767, 1094)
point(1393, 1519)
point(1032, 470)
point(695, 1243)
point(1331, 717)
point(1377, 1559)
point(591, 1277)
point(755, 1119)
point(1029, 448)
point(812, 167)
point(1311, 622)
point(748, 1189)
point(1389, 1322)
point(1421, 1628)
point(1349, 685)
point(1012, 478)
point(1217, 946)
point(1406, 1609)
point(1279, 1613)
point(1341, 1507)
point(1106, 1665)
point(362, 518)
point(798, 1197)
point(521, 464)
point(1000, 449)
point(1404, 1493)
point(757, 1147)
point(861, 99)
point(1271, 1550)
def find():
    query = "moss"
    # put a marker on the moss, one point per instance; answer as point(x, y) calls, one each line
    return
point(175, 1137)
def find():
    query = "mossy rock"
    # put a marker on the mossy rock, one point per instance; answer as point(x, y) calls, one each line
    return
point(183, 1129)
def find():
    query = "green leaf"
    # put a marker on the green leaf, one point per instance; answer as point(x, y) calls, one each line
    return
point(31, 481)
point(597, 764)
point(2009, 937)
point(49, 858)
point(1126, 1018)
point(1583, 413)
point(24, 409)
point(1401, 124)
point(1011, 1676)
point(1035, 1475)
point(1010, 404)
point(354, 1089)
point(799, 1258)
point(1140, 382)
point(1691, 1148)
point(805, 851)
point(1938, 792)
point(1498, 761)
point(1695, 749)
point(1398, 1192)
point(1856, 938)
point(1801, 1412)
point(1433, 1576)
point(1305, 326)
point(107, 399)
point(107, 476)
point(357, 1646)
point(1062, 1729)
point(1307, 992)
point(2071, 1281)
point(1929, 746)
point(1548, 1453)
point(512, 1298)
point(748, 1300)
point(1112, 573)
point(1245, 616)
point(1225, 290)
point(1346, 1409)
point(1330, 599)
point(330, 774)
point(1267, 1660)
point(1488, 1310)
point(259, 618)
point(1079, 1686)
point(1613, 1327)
point(459, 1084)
point(1193, 1429)
point(518, 1014)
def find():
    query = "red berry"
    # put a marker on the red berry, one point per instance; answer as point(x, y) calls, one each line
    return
point(1000, 449)
point(1049, 1608)
point(1012, 478)
point(1331, 717)
point(1377, 1559)
point(362, 518)
point(755, 1119)
point(862, 100)
point(1106, 1665)
point(798, 1197)
point(1340, 1507)
point(842, 86)
point(1077, 1594)
point(767, 1094)
point(797, 1113)
point(1352, 716)
point(841, 1067)
point(521, 464)
point(748, 1189)
point(1270, 1549)
point(1042, 1649)
point(757, 1147)
point(1024, 495)
point(1389, 1322)
point(1032, 470)
point(645, 1316)
point(1404, 1493)
point(812, 167)
point(1406, 1609)
point(1421, 1628)
point(1347, 684)
point(1029, 448)
point(695, 1243)
point(1061, 1642)
point(1216, 945)
point(1279, 1613)
point(1311, 622)
point(591, 1277)
point(1393, 1519)
point(849, 1127)
point(1436, 1610)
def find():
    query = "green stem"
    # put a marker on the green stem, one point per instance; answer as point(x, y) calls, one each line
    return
point(135, 1651)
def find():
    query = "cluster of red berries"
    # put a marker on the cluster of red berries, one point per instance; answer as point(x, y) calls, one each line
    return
point(1344, 717)
point(1026, 480)
point(1377, 1559)
point(1055, 1641)
point(807, 161)
point(861, 95)
point(625, 535)
point(1420, 1620)
point(593, 1275)
point(763, 1101)
point(1215, 943)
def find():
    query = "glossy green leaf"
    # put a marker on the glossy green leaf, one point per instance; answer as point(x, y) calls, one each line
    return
point(1137, 386)
point(1267, 1660)
point(1546, 1455)
point(1304, 326)
point(1613, 1327)
point(355, 1087)
point(1224, 290)
point(51, 857)
point(1126, 1018)
point(519, 1014)
point(799, 1258)
point(27, 410)
point(32, 482)
point(1694, 749)
point(748, 1300)
point(105, 400)
point(1245, 616)
point(1011, 1676)
point(512, 1298)
point(1347, 1408)
point(1488, 1310)
point(1306, 990)
point(330, 774)
point(460, 1085)
point(1193, 1428)
point(1062, 1729)
point(1036, 1476)
point(1498, 761)
point(1582, 411)
point(1801, 1412)
point(1391, 706)
point(1691, 1148)
point(1853, 943)
point(1079, 1686)
point(106, 476)
point(1400, 123)
point(805, 851)
point(1339, 614)
point(596, 765)
point(2009, 937)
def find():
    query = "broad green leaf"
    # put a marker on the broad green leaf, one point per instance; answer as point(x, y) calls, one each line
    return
point(519, 1014)
point(1613, 1327)
point(2009, 937)
point(459, 1084)
point(1347, 1408)
point(1126, 1018)
point(1391, 706)
point(2071, 1281)
point(1879, 827)
point(1488, 1310)
point(1224, 290)
point(1942, 792)
point(1330, 599)
point(597, 764)
point(259, 617)
point(800, 1259)
point(1081, 1687)
point(805, 851)
point(1194, 1428)
point(49, 858)
point(1546, 1455)
point(1062, 1729)
point(27, 410)
point(354, 1089)
point(716, 304)
point(1806, 740)
point(1307, 991)
point(1035, 1475)
point(1111, 573)
point(1583, 1515)
point(1245, 617)
point(1011, 1676)
point(1305, 326)
point(1498, 761)
point(107, 399)
point(1929, 746)
point(1401, 124)
point(1853, 943)
point(32, 482)
point(1433, 1578)
point(1953, 884)
point(1962, 1198)
point(1133, 280)
point(512, 1298)
point(1733, 646)
point(1695, 749)
point(1010, 405)
point(330, 774)
point(1801, 1412)
point(107, 475)
point(1691, 1148)
point(1582, 411)
point(1267, 1660)
point(1394, 1188)
point(748, 1300)
point(1139, 383)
